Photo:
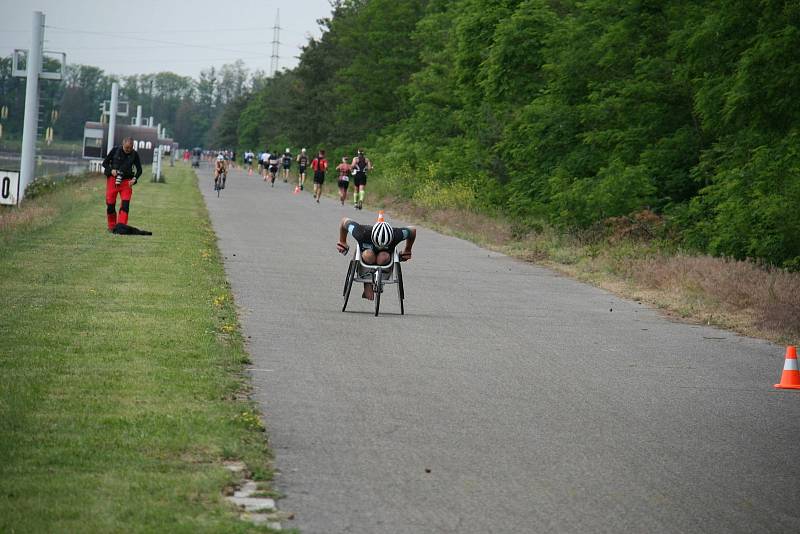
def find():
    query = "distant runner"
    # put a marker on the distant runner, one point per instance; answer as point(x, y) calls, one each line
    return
point(344, 179)
point(320, 165)
point(272, 161)
point(248, 161)
point(302, 163)
point(287, 164)
point(359, 169)
point(262, 163)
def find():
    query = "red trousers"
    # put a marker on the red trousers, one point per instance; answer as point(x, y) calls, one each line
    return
point(125, 191)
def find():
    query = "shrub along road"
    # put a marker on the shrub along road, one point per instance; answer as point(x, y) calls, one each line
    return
point(508, 399)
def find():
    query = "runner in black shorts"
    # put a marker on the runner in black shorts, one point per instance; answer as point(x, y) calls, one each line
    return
point(344, 179)
point(320, 165)
point(302, 162)
point(287, 164)
point(272, 161)
point(359, 169)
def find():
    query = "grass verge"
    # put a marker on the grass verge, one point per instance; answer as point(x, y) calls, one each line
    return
point(623, 258)
point(121, 386)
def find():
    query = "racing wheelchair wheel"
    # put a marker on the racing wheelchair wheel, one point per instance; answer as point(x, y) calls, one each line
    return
point(378, 289)
point(348, 282)
point(400, 291)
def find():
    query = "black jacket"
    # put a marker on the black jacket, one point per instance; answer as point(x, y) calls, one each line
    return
point(123, 163)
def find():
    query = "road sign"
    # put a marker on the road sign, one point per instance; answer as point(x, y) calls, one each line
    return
point(122, 108)
point(9, 187)
point(19, 66)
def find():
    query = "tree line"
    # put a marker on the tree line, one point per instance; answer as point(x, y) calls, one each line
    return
point(188, 108)
point(564, 111)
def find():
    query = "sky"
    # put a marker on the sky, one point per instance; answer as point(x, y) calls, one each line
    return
point(180, 36)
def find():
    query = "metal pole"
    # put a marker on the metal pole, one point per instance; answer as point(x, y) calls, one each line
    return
point(29, 130)
point(112, 118)
point(138, 115)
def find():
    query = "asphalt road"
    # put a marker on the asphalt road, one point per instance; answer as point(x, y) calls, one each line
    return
point(507, 399)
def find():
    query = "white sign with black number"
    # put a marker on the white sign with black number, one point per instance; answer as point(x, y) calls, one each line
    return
point(9, 187)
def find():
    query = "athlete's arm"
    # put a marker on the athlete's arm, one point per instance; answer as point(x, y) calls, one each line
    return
point(344, 229)
point(412, 235)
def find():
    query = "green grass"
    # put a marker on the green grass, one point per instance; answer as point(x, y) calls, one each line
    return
point(120, 369)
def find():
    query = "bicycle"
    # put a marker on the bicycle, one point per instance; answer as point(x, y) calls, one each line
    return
point(217, 186)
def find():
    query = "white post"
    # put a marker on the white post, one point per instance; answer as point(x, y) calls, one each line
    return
point(112, 117)
point(150, 122)
point(31, 124)
point(138, 115)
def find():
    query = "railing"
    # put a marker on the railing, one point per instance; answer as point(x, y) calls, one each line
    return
point(96, 165)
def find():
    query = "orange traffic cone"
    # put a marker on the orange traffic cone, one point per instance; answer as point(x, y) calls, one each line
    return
point(790, 379)
point(380, 216)
point(297, 190)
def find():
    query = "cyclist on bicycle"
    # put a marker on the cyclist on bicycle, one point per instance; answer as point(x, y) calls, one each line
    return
point(377, 242)
point(220, 172)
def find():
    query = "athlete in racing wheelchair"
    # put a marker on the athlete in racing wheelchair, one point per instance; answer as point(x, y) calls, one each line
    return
point(376, 260)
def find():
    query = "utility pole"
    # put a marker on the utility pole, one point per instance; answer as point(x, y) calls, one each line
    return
point(32, 73)
point(276, 42)
point(112, 116)
point(27, 166)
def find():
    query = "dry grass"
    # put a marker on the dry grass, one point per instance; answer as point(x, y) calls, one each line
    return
point(28, 216)
point(761, 300)
point(461, 223)
point(40, 211)
point(738, 295)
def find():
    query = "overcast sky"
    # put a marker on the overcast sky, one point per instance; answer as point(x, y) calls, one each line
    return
point(181, 36)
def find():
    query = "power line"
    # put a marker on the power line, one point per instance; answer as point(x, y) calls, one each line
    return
point(203, 60)
point(149, 47)
point(172, 43)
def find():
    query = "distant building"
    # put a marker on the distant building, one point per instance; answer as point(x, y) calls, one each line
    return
point(145, 140)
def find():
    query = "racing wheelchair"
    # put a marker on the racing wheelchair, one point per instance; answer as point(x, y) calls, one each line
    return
point(378, 275)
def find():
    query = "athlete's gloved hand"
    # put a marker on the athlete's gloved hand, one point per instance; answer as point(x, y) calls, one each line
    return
point(342, 248)
point(405, 255)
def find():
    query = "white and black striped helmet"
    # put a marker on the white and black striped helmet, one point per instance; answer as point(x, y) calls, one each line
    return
point(382, 235)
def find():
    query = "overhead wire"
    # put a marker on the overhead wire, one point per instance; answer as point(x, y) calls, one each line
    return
point(159, 41)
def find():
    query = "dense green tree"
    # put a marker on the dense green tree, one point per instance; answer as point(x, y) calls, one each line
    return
point(565, 110)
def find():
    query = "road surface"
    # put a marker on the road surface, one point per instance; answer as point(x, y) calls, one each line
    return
point(507, 399)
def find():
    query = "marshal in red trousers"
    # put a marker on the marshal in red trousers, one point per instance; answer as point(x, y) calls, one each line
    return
point(122, 169)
